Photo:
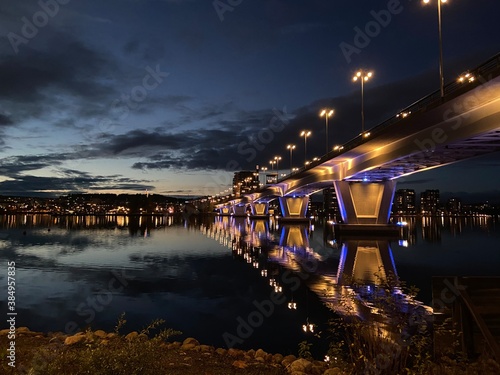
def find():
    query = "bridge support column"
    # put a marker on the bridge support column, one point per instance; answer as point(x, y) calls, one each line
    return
point(294, 208)
point(239, 210)
point(225, 210)
point(260, 209)
point(365, 205)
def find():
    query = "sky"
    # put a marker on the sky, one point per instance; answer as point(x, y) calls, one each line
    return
point(174, 96)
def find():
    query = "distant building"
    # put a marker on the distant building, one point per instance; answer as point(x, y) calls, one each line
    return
point(429, 202)
point(454, 206)
point(245, 182)
point(404, 202)
point(331, 203)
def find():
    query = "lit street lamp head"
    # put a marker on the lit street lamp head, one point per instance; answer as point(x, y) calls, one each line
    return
point(326, 112)
point(305, 133)
point(362, 75)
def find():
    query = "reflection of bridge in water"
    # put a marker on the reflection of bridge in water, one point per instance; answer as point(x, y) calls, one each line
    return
point(347, 278)
point(354, 278)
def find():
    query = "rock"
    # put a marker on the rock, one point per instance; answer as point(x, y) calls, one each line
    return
point(104, 342)
point(4, 332)
point(288, 360)
point(131, 336)
point(240, 364)
point(111, 335)
point(260, 354)
point(176, 344)
point(260, 359)
point(187, 346)
point(220, 351)
point(72, 340)
point(251, 353)
point(100, 333)
point(206, 348)
point(301, 365)
point(191, 340)
point(235, 352)
point(22, 329)
point(333, 371)
point(316, 370)
point(299, 373)
point(277, 358)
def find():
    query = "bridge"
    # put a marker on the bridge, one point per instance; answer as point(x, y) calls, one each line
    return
point(432, 132)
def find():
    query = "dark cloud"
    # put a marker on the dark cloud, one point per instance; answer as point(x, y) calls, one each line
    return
point(26, 185)
point(5, 120)
point(65, 64)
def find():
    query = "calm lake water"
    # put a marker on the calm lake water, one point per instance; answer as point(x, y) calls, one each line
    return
point(216, 279)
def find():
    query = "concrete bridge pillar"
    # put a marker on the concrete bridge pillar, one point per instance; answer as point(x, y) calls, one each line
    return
point(365, 203)
point(225, 210)
point(294, 208)
point(260, 209)
point(239, 210)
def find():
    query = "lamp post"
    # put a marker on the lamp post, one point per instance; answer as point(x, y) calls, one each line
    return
point(362, 76)
point(277, 160)
point(291, 148)
point(441, 69)
point(327, 112)
point(264, 170)
point(305, 134)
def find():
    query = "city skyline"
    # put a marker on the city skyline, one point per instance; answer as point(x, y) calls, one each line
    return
point(173, 97)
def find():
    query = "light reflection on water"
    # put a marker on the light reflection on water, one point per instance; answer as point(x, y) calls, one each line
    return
point(197, 277)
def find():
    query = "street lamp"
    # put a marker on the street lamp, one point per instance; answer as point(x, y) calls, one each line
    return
point(362, 76)
point(264, 170)
point(291, 148)
point(277, 159)
point(327, 112)
point(305, 134)
point(441, 70)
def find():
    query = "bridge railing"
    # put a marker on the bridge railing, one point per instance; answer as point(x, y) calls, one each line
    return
point(482, 73)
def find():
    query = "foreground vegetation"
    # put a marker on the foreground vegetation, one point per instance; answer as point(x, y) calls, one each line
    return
point(101, 353)
point(399, 345)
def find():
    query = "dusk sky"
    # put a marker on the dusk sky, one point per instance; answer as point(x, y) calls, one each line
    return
point(173, 96)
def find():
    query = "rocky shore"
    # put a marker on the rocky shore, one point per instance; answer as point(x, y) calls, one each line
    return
point(102, 352)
